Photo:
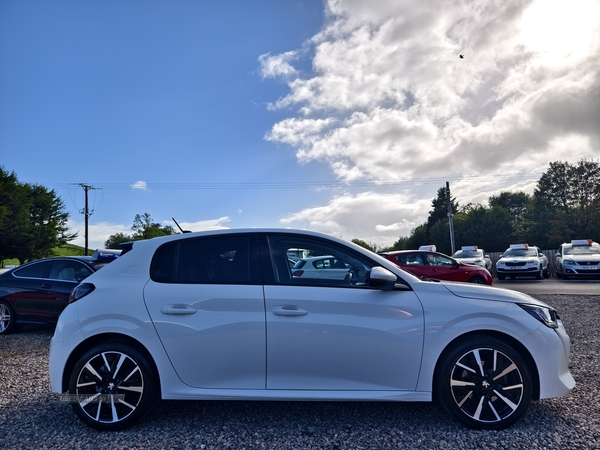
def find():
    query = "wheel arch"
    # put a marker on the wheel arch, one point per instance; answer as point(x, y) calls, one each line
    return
point(103, 338)
point(509, 340)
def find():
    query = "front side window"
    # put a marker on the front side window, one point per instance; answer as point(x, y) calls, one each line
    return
point(209, 260)
point(69, 270)
point(438, 260)
point(323, 263)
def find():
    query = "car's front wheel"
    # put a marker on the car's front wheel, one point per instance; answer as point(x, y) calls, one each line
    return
point(484, 383)
point(477, 280)
point(8, 318)
point(112, 386)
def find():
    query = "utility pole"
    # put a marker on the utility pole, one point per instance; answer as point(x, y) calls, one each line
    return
point(450, 216)
point(86, 211)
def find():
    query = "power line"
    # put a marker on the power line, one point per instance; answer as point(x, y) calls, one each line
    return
point(305, 184)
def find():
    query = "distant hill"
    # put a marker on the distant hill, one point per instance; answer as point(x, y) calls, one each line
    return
point(63, 250)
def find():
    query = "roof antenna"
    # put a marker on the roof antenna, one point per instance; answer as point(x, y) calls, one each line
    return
point(180, 229)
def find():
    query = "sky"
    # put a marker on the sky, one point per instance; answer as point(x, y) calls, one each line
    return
point(340, 116)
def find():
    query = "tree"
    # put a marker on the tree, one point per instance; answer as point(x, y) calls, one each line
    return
point(566, 203)
point(114, 241)
point(32, 220)
point(488, 228)
point(143, 228)
point(440, 210)
point(363, 244)
point(518, 204)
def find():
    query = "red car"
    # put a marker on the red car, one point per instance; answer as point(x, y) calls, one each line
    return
point(431, 264)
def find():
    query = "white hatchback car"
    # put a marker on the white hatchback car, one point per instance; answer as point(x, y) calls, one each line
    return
point(474, 255)
point(219, 315)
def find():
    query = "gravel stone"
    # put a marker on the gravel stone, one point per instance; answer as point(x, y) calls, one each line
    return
point(32, 417)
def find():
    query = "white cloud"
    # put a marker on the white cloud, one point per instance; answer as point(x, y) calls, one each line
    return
point(98, 233)
point(373, 217)
point(389, 99)
point(277, 65)
point(139, 185)
point(202, 225)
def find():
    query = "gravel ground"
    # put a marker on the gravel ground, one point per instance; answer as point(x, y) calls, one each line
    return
point(32, 417)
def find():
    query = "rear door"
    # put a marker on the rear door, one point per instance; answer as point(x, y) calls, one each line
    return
point(206, 301)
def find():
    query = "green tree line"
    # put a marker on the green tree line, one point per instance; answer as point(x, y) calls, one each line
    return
point(565, 205)
point(33, 220)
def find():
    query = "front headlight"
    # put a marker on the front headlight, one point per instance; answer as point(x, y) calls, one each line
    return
point(568, 261)
point(542, 313)
point(531, 263)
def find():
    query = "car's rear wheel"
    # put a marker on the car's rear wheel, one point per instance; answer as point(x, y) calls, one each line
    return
point(8, 318)
point(477, 280)
point(485, 383)
point(113, 386)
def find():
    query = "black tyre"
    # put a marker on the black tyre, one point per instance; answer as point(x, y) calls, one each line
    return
point(114, 387)
point(8, 318)
point(558, 273)
point(546, 273)
point(501, 277)
point(539, 274)
point(477, 280)
point(484, 383)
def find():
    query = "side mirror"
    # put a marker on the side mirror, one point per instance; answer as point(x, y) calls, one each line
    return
point(381, 278)
point(558, 255)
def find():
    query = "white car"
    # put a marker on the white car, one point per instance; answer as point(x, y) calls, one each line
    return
point(522, 260)
point(321, 267)
point(218, 315)
point(580, 257)
point(473, 255)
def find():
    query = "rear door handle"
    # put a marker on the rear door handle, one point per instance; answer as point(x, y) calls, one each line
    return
point(178, 310)
point(289, 311)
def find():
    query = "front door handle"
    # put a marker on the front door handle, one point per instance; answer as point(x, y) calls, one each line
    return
point(178, 310)
point(289, 311)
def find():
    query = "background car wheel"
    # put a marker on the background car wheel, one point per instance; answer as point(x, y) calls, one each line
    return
point(546, 273)
point(484, 383)
point(8, 318)
point(558, 274)
point(115, 386)
point(501, 277)
point(477, 280)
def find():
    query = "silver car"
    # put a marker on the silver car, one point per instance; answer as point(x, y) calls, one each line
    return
point(474, 255)
point(219, 316)
point(580, 257)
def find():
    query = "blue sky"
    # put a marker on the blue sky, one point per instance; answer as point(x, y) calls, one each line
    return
point(342, 116)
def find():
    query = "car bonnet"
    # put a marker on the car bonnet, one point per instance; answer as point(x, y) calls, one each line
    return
point(468, 290)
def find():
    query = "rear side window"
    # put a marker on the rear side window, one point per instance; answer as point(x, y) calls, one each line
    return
point(209, 260)
point(35, 270)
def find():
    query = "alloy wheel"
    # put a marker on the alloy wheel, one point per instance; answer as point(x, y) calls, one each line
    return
point(7, 318)
point(487, 385)
point(109, 388)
